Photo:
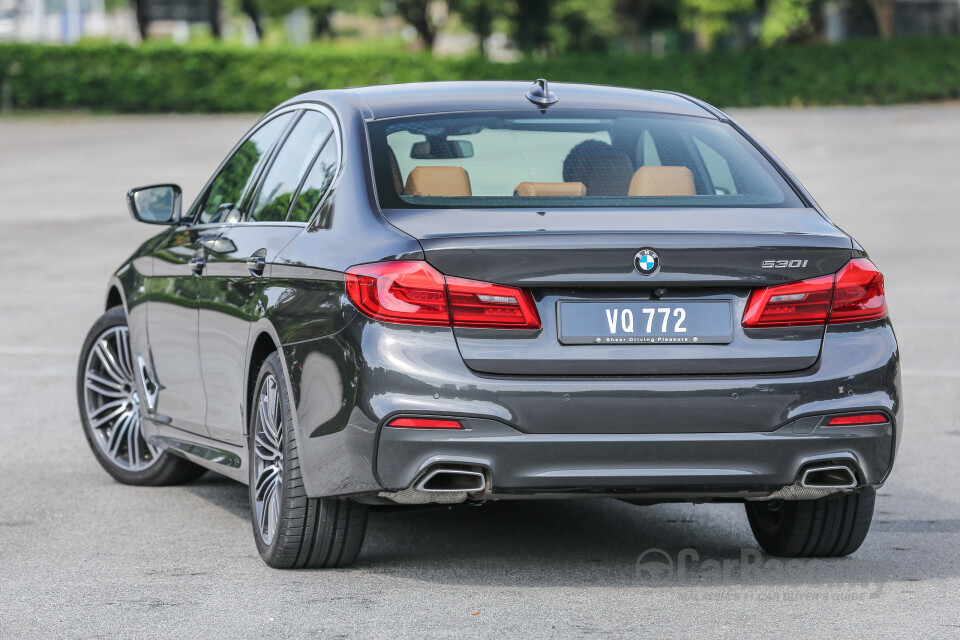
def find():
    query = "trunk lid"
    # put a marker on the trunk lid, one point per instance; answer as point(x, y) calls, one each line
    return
point(587, 256)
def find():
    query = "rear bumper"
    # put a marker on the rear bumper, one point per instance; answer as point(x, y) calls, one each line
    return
point(697, 435)
point(689, 464)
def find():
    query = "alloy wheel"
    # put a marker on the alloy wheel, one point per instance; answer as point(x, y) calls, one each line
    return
point(112, 402)
point(268, 459)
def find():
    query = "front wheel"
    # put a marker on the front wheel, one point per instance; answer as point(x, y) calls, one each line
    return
point(290, 529)
point(826, 528)
point(110, 410)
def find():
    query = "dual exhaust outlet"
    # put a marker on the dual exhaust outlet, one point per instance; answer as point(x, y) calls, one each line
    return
point(442, 485)
point(451, 480)
point(835, 476)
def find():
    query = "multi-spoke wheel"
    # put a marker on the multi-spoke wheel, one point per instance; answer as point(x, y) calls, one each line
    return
point(267, 459)
point(290, 529)
point(112, 402)
point(110, 409)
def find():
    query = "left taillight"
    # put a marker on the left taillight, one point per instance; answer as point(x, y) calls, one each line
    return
point(853, 294)
point(413, 292)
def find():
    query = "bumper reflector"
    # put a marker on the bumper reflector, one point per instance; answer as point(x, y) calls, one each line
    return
point(861, 418)
point(424, 423)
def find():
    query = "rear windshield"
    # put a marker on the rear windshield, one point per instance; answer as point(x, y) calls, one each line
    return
point(570, 159)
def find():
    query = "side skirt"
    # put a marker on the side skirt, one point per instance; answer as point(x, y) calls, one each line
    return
point(225, 459)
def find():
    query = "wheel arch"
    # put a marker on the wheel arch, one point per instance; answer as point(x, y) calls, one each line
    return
point(262, 342)
point(115, 295)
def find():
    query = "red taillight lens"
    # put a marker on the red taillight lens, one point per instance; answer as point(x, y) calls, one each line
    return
point(480, 304)
point(859, 293)
point(787, 305)
point(854, 294)
point(413, 292)
point(859, 419)
point(424, 423)
point(409, 291)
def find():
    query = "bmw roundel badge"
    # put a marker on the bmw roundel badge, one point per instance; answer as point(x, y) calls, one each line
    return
point(647, 262)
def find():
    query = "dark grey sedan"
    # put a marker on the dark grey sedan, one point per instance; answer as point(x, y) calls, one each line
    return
point(460, 292)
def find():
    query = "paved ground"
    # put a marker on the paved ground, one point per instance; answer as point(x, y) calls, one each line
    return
point(82, 556)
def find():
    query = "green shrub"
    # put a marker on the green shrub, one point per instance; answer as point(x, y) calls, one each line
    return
point(217, 78)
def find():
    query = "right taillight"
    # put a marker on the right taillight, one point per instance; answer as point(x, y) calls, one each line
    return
point(859, 293)
point(413, 292)
point(853, 294)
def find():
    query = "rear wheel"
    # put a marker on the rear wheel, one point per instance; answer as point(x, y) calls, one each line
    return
point(110, 410)
point(826, 528)
point(292, 530)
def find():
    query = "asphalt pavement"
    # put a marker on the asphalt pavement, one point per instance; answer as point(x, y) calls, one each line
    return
point(82, 556)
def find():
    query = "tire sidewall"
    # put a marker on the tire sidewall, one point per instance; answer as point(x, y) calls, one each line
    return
point(270, 366)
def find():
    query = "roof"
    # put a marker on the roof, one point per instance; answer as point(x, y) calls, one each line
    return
point(389, 101)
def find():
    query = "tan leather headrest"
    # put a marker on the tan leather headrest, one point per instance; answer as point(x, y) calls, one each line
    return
point(438, 181)
point(662, 181)
point(550, 189)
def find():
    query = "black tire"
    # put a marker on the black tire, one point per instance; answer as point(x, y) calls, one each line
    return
point(830, 527)
point(307, 532)
point(164, 468)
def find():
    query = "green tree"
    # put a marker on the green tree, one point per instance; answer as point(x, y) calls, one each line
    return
point(419, 15)
point(583, 25)
point(479, 16)
point(253, 11)
point(708, 19)
point(637, 18)
point(531, 24)
point(783, 19)
point(883, 12)
point(319, 10)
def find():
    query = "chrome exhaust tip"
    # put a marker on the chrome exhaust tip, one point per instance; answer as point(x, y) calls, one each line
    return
point(452, 481)
point(828, 477)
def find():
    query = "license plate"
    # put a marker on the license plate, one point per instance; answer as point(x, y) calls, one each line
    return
point(653, 322)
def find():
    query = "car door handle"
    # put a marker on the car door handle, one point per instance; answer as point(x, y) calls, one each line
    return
point(196, 265)
point(256, 264)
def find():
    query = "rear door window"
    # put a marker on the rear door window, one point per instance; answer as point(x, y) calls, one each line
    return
point(292, 162)
point(317, 183)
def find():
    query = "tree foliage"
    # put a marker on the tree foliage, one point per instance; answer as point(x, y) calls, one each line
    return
point(419, 15)
point(708, 19)
point(783, 19)
point(583, 25)
point(557, 26)
point(480, 15)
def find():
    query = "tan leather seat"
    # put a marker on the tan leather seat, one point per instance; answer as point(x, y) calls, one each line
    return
point(550, 189)
point(438, 181)
point(662, 181)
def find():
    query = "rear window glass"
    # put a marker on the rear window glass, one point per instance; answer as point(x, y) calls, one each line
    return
point(570, 159)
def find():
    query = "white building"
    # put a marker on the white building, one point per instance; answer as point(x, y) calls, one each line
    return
point(63, 21)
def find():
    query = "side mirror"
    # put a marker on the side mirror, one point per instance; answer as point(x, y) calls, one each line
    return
point(156, 203)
